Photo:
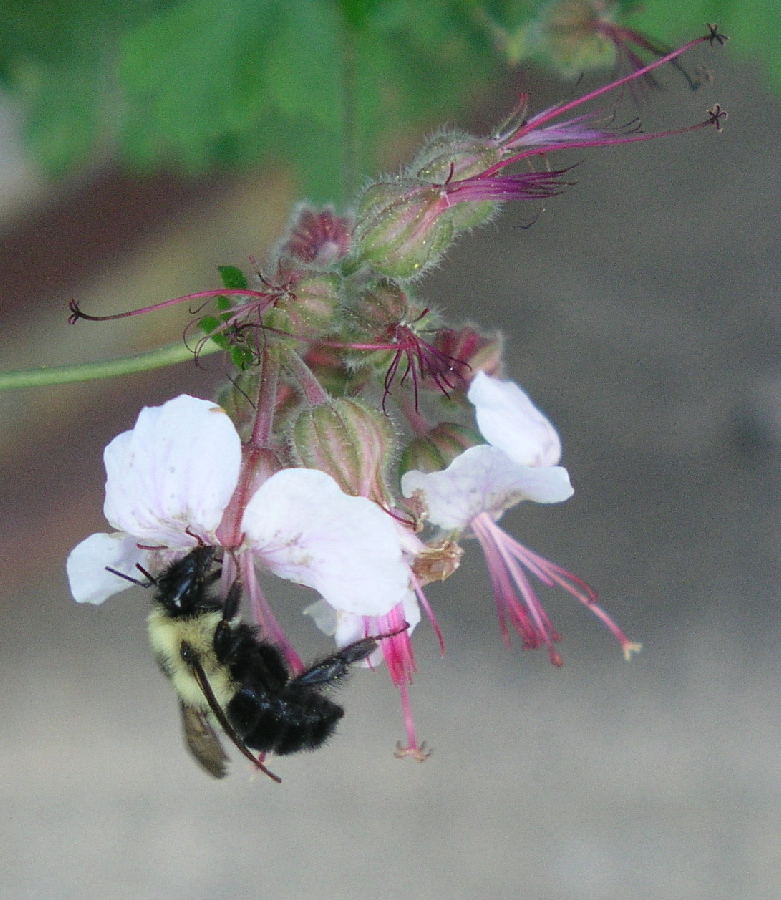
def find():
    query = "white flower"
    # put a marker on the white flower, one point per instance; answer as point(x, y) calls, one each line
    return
point(518, 463)
point(170, 481)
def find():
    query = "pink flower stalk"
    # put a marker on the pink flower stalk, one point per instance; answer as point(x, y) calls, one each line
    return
point(517, 600)
point(535, 132)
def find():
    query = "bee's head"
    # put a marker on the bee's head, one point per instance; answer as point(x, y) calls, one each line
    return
point(182, 587)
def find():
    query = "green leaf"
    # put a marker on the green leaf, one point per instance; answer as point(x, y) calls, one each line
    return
point(232, 278)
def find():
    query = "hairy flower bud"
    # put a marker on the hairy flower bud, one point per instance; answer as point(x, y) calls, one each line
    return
point(451, 156)
point(332, 371)
point(307, 309)
point(385, 304)
point(350, 442)
point(400, 229)
point(438, 448)
point(317, 237)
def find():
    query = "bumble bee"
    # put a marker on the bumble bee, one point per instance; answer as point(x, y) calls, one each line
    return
point(226, 675)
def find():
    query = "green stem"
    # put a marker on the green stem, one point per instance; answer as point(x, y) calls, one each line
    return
point(127, 365)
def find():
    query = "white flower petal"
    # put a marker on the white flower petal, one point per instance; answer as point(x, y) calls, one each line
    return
point(484, 479)
point(172, 476)
point(89, 580)
point(305, 529)
point(508, 419)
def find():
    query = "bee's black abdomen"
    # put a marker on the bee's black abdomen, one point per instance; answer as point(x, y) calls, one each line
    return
point(294, 719)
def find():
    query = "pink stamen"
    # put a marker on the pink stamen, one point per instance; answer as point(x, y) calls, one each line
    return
point(413, 749)
point(506, 560)
point(426, 606)
point(263, 615)
point(559, 109)
point(76, 312)
point(524, 134)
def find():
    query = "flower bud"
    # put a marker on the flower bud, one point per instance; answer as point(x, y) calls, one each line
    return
point(452, 156)
point(330, 368)
point(438, 448)
point(385, 304)
point(317, 237)
point(350, 442)
point(572, 36)
point(308, 307)
point(400, 228)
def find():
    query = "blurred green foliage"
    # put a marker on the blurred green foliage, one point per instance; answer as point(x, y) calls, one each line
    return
point(204, 84)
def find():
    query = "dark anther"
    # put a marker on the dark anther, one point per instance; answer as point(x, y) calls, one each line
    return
point(716, 113)
point(76, 313)
point(714, 37)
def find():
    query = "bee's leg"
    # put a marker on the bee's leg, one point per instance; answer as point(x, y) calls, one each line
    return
point(223, 633)
point(335, 667)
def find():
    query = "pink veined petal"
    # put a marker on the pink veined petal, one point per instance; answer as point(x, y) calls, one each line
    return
point(509, 420)
point(171, 477)
point(89, 580)
point(303, 527)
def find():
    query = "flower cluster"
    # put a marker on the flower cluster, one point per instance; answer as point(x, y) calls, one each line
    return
point(362, 440)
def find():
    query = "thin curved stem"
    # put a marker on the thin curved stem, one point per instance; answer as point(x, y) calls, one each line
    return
point(126, 365)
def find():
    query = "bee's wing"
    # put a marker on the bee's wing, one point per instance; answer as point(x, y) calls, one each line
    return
point(203, 742)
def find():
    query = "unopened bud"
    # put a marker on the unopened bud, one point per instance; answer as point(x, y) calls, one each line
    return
point(451, 156)
point(317, 237)
point(572, 36)
point(475, 351)
point(337, 378)
point(350, 442)
point(308, 307)
point(401, 229)
point(385, 304)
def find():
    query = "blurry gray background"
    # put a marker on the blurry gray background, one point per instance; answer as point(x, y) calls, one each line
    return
point(642, 314)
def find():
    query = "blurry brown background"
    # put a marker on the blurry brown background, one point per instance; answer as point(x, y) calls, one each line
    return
point(642, 313)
